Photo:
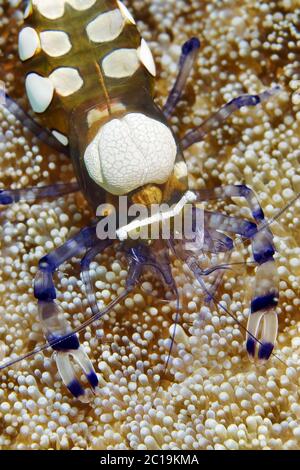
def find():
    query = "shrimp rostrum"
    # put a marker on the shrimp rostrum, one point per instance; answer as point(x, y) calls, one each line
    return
point(90, 79)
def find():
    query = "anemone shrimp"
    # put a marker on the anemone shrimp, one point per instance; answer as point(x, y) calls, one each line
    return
point(102, 112)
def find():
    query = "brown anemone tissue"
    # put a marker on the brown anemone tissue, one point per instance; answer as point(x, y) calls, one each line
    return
point(212, 396)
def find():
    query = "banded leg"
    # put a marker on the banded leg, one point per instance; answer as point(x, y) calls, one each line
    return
point(59, 336)
point(186, 63)
point(200, 236)
point(41, 133)
point(217, 221)
point(214, 221)
point(196, 135)
point(54, 324)
point(9, 196)
point(265, 297)
point(217, 242)
point(57, 331)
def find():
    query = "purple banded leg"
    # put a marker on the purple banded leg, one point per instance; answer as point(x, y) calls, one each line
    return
point(214, 221)
point(213, 242)
point(263, 312)
point(217, 242)
point(262, 242)
point(265, 297)
point(212, 123)
point(188, 56)
point(54, 324)
point(59, 336)
point(9, 196)
point(41, 133)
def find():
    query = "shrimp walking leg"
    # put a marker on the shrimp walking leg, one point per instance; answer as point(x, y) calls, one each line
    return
point(54, 324)
point(44, 135)
point(187, 59)
point(56, 329)
point(216, 223)
point(263, 317)
point(9, 196)
point(215, 241)
point(213, 122)
point(58, 334)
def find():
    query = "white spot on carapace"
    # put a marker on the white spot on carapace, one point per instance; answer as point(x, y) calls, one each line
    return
point(51, 9)
point(54, 9)
point(61, 137)
point(106, 27)
point(29, 43)
point(81, 4)
point(39, 91)
point(125, 12)
point(130, 152)
point(66, 80)
point(146, 57)
point(55, 43)
point(121, 63)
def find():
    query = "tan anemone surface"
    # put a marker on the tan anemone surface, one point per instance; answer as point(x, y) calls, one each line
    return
point(212, 397)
